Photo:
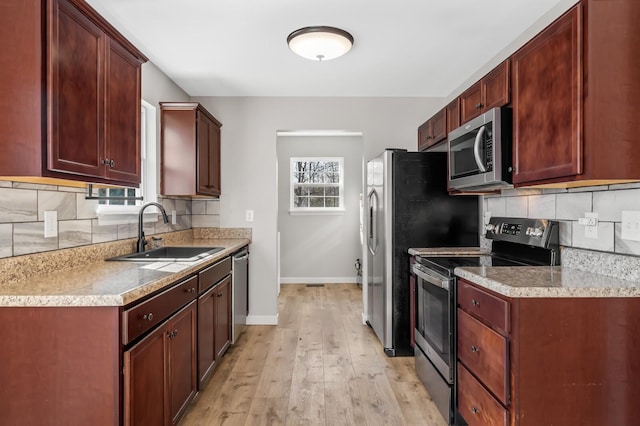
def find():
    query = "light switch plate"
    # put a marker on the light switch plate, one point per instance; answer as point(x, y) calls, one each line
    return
point(50, 223)
point(630, 225)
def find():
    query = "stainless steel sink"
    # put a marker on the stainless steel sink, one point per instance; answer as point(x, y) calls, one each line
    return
point(170, 254)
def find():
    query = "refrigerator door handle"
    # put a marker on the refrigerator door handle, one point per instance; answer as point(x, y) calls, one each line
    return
point(372, 239)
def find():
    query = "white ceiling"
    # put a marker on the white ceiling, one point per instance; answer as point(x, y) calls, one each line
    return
point(415, 48)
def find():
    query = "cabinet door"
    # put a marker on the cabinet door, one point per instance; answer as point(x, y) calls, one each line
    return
point(208, 152)
point(181, 332)
point(75, 91)
point(122, 125)
point(547, 102)
point(424, 135)
point(144, 381)
point(453, 115)
point(206, 333)
point(495, 87)
point(439, 126)
point(471, 102)
point(223, 317)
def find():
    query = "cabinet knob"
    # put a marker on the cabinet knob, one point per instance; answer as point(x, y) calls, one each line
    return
point(148, 316)
point(474, 349)
point(112, 163)
point(219, 295)
point(474, 302)
point(479, 105)
point(191, 290)
point(172, 334)
point(474, 410)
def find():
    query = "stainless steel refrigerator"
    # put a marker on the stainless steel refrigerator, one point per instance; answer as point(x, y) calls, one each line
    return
point(408, 205)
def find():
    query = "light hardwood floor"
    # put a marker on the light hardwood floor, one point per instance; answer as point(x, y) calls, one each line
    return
point(319, 366)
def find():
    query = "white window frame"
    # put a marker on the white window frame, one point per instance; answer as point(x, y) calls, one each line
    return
point(148, 189)
point(293, 209)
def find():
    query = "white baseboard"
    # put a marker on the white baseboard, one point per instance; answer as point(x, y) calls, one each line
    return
point(321, 280)
point(262, 319)
point(364, 318)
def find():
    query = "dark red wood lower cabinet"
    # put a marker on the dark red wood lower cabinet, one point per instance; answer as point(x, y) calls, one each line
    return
point(160, 372)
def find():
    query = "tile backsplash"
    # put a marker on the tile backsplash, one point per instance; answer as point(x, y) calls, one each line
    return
point(568, 205)
point(22, 207)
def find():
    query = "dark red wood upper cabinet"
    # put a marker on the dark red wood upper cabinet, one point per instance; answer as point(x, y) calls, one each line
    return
point(190, 140)
point(493, 90)
point(86, 126)
point(433, 131)
point(547, 102)
point(453, 115)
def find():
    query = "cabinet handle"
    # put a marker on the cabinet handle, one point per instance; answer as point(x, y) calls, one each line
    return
point(112, 163)
point(191, 290)
point(474, 302)
point(474, 349)
point(105, 162)
point(474, 410)
point(479, 105)
point(172, 334)
point(219, 295)
point(148, 316)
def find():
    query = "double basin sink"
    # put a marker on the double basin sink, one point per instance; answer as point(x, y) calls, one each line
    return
point(170, 254)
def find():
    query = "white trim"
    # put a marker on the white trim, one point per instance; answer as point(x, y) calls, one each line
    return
point(262, 319)
point(319, 280)
point(318, 212)
point(364, 318)
point(151, 162)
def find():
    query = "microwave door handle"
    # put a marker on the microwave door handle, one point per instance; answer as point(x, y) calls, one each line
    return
point(476, 149)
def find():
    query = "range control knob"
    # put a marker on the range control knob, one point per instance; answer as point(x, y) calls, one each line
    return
point(490, 227)
point(535, 232)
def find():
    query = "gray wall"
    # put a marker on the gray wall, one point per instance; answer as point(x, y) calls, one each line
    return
point(320, 248)
point(249, 171)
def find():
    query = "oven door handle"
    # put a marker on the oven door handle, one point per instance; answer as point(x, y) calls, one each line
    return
point(476, 149)
point(436, 280)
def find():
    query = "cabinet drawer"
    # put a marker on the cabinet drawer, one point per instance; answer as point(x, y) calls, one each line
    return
point(213, 274)
point(485, 353)
point(143, 317)
point(481, 304)
point(476, 405)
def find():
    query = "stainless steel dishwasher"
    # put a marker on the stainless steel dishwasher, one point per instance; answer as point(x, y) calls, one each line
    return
point(240, 293)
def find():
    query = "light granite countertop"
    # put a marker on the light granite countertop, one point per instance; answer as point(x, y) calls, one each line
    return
point(548, 281)
point(109, 283)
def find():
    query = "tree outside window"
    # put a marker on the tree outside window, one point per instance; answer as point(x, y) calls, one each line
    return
point(317, 184)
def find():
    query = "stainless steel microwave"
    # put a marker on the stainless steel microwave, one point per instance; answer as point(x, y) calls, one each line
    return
point(480, 152)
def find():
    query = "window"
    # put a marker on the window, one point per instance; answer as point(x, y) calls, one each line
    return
point(148, 179)
point(317, 184)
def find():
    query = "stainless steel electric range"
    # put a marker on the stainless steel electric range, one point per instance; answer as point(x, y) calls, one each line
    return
point(516, 242)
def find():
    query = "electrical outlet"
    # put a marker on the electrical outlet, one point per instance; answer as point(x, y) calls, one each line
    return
point(248, 215)
point(173, 217)
point(590, 220)
point(50, 223)
point(630, 226)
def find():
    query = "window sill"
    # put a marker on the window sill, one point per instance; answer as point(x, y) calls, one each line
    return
point(121, 215)
point(317, 212)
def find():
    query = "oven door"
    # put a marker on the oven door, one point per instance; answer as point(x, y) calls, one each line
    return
point(434, 328)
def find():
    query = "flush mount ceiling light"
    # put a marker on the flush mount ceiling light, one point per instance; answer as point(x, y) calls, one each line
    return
point(320, 43)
